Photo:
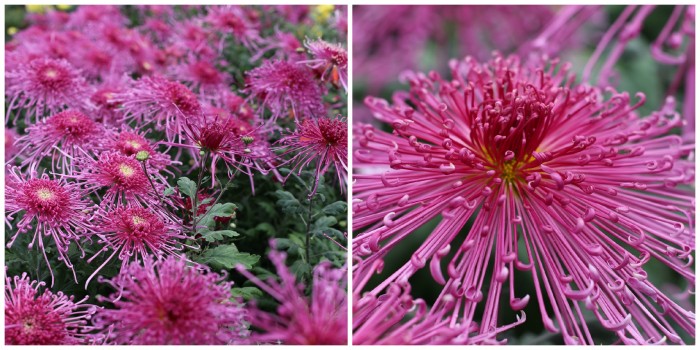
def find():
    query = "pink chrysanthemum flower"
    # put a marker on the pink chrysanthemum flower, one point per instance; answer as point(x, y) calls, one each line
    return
point(122, 177)
point(60, 138)
point(562, 183)
point(170, 303)
point(44, 318)
point(133, 233)
point(203, 77)
point(166, 103)
point(236, 21)
point(332, 59)
point(11, 149)
point(49, 208)
point(42, 87)
point(285, 87)
point(319, 319)
point(285, 46)
point(323, 141)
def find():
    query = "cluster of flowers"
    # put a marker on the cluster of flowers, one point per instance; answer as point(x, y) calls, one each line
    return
point(103, 113)
point(529, 174)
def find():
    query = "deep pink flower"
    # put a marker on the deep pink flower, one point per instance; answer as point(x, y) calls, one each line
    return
point(167, 103)
point(134, 233)
point(285, 46)
point(320, 319)
point(121, 177)
point(42, 87)
point(169, 303)
point(47, 208)
point(563, 183)
point(332, 59)
point(44, 318)
point(130, 142)
point(60, 138)
point(286, 87)
point(203, 77)
point(236, 21)
point(323, 141)
point(11, 149)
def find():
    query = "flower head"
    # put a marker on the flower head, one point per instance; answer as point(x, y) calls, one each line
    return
point(134, 233)
point(49, 208)
point(287, 87)
point(44, 85)
point(167, 103)
point(332, 59)
point(169, 303)
point(130, 142)
point(320, 319)
point(62, 137)
point(555, 181)
point(44, 318)
point(323, 141)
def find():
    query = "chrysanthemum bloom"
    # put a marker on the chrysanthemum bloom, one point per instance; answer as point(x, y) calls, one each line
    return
point(105, 107)
point(332, 59)
point(563, 183)
point(122, 177)
point(203, 77)
point(323, 141)
point(166, 103)
point(11, 150)
point(42, 87)
point(285, 46)
point(282, 87)
point(319, 319)
point(236, 21)
point(47, 207)
point(241, 145)
point(133, 233)
point(60, 138)
point(44, 318)
point(170, 303)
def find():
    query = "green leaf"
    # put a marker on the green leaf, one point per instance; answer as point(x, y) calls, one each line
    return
point(187, 186)
point(168, 191)
point(227, 257)
point(336, 208)
point(212, 236)
point(218, 210)
point(247, 293)
point(288, 202)
point(325, 222)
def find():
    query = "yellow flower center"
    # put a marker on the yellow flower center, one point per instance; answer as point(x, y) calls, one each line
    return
point(45, 194)
point(126, 170)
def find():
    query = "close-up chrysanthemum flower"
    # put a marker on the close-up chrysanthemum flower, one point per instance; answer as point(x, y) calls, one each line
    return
point(145, 163)
point(168, 302)
point(508, 197)
point(36, 316)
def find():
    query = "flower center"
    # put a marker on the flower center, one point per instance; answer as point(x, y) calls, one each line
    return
point(45, 194)
point(137, 220)
point(51, 74)
point(126, 170)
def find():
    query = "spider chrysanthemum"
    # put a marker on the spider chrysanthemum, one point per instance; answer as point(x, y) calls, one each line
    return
point(322, 141)
point(44, 318)
point(561, 183)
point(46, 207)
point(285, 87)
point(170, 303)
point(332, 59)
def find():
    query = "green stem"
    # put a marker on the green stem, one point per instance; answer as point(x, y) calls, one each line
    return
point(308, 231)
point(153, 186)
point(196, 191)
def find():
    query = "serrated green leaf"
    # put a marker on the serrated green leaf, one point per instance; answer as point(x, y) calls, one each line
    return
point(227, 257)
point(288, 202)
point(335, 208)
point(187, 187)
point(247, 293)
point(212, 236)
point(218, 210)
point(325, 222)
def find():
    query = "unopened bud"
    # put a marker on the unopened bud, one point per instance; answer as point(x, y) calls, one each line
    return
point(142, 156)
point(247, 139)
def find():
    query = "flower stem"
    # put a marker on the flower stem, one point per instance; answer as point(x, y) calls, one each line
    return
point(153, 186)
point(196, 191)
point(308, 231)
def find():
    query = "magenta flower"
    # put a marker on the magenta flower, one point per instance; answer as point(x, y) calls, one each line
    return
point(47, 208)
point(323, 141)
point(320, 319)
point(135, 233)
point(130, 142)
point(42, 87)
point(332, 59)
point(235, 21)
point(122, 177)
point(60, 138)
point(44, 318)
point(170, 303)
point(11, 149)
point(202, 76)
point(285, 46)
point(285, 87)
point(167, 103)
point(563, 183)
